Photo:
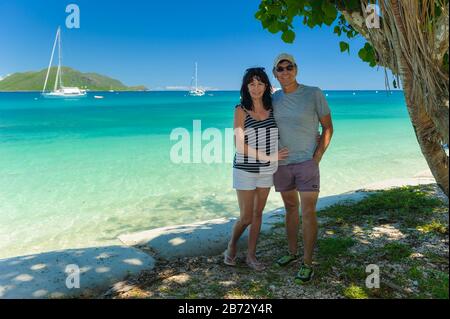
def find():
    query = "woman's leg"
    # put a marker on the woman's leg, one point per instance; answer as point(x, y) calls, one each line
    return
point(246, 202)
point(255, 228)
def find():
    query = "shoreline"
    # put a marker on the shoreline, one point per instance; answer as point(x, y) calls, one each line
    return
point(215, 90)
point(101, 266)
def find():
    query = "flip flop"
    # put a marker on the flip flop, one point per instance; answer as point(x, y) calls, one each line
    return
point(228, 260)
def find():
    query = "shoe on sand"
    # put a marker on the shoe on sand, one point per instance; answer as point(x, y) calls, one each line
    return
point(286, 260)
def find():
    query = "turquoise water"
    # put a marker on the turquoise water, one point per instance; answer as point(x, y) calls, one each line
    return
point(79, 173)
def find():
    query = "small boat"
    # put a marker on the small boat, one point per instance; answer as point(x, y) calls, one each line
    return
point(60, 91)
point(98, 97)
point(196, 91)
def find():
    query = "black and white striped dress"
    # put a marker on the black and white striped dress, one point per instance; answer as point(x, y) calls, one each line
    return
point(258, 136)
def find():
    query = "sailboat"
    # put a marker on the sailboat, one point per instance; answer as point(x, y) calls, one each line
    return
point(196, 91)
point(60, 91)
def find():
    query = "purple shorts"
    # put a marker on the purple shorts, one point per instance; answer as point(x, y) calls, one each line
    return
point(304, 176)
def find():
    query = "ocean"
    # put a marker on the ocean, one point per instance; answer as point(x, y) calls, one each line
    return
point(79, 173)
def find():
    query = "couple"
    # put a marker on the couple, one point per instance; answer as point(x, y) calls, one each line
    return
point(294, 113)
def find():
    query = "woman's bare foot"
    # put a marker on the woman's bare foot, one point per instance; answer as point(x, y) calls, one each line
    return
point(254, 264)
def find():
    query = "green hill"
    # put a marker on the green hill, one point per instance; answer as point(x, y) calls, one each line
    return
point(34, 81)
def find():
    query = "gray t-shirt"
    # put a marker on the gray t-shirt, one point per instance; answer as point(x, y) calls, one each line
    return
point(297, 115)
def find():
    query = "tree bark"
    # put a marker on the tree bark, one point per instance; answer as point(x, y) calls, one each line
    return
point(430, 124)
point(428, 134)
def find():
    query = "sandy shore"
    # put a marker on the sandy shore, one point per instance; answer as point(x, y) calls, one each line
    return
point(44, 275)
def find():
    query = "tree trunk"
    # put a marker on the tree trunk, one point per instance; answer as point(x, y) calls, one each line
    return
point(431, 148)
point(430, 134)
point(395, 47)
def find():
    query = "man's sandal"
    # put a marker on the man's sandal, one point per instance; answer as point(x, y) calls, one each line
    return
point(286, 260)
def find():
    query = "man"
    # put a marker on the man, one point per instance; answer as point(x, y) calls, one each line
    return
point(298, 110)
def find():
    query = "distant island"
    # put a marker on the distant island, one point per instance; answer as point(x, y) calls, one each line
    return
point(34, 81)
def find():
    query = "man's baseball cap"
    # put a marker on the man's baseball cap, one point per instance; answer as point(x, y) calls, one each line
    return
point(282, 57)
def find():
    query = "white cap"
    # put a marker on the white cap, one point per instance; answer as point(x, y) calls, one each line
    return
point(283, 56)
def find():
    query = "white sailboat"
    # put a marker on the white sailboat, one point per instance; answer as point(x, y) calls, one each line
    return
point(196, 91)
point(60, 91)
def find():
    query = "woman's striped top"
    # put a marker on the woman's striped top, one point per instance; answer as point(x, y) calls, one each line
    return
point(260, 135)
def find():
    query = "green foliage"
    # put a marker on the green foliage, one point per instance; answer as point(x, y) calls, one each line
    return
point(278, 16)
point(396, 251)
point(344, 46)
point(330, 249)
point(434, 226)
point(432, 283)
point(355, 292)
point(397, 203)
point(367, 54)
point(288, 36)
point(333, 247)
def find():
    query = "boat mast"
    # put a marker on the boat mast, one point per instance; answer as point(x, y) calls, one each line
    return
point(51, 60)
point(196, 76)
point(58, 72)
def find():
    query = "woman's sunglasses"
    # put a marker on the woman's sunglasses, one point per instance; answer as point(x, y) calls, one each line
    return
point(280, 69)
point(255, 69)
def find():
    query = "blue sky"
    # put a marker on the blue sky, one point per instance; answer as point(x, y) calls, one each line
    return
point(155, 43)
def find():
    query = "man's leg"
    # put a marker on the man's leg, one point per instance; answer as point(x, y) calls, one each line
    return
point(291, 204)
point(309, 224)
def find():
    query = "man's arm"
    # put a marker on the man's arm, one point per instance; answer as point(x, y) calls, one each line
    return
point(325, 139)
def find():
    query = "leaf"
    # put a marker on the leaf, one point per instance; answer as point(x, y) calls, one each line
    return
point(344, 46)
point(288, 36)
point(329, 10)
point(274, 27)
point(363, 54)
point(329, 20)
point(337, 30)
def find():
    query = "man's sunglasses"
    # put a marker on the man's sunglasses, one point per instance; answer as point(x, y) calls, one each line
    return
point(280, 69)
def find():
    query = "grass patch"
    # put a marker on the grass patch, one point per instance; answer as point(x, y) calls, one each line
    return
point(330, 249)
point(354, 274)
point(434, 227)
point(396, 251)
point(408, 204)
point(436, 258)
point(432, 283)
point(355, 292)
point(335, 246)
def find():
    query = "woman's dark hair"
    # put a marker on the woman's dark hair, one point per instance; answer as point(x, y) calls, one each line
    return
point(260, 75)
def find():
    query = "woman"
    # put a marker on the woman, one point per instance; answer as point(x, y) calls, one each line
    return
point(253, 161)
